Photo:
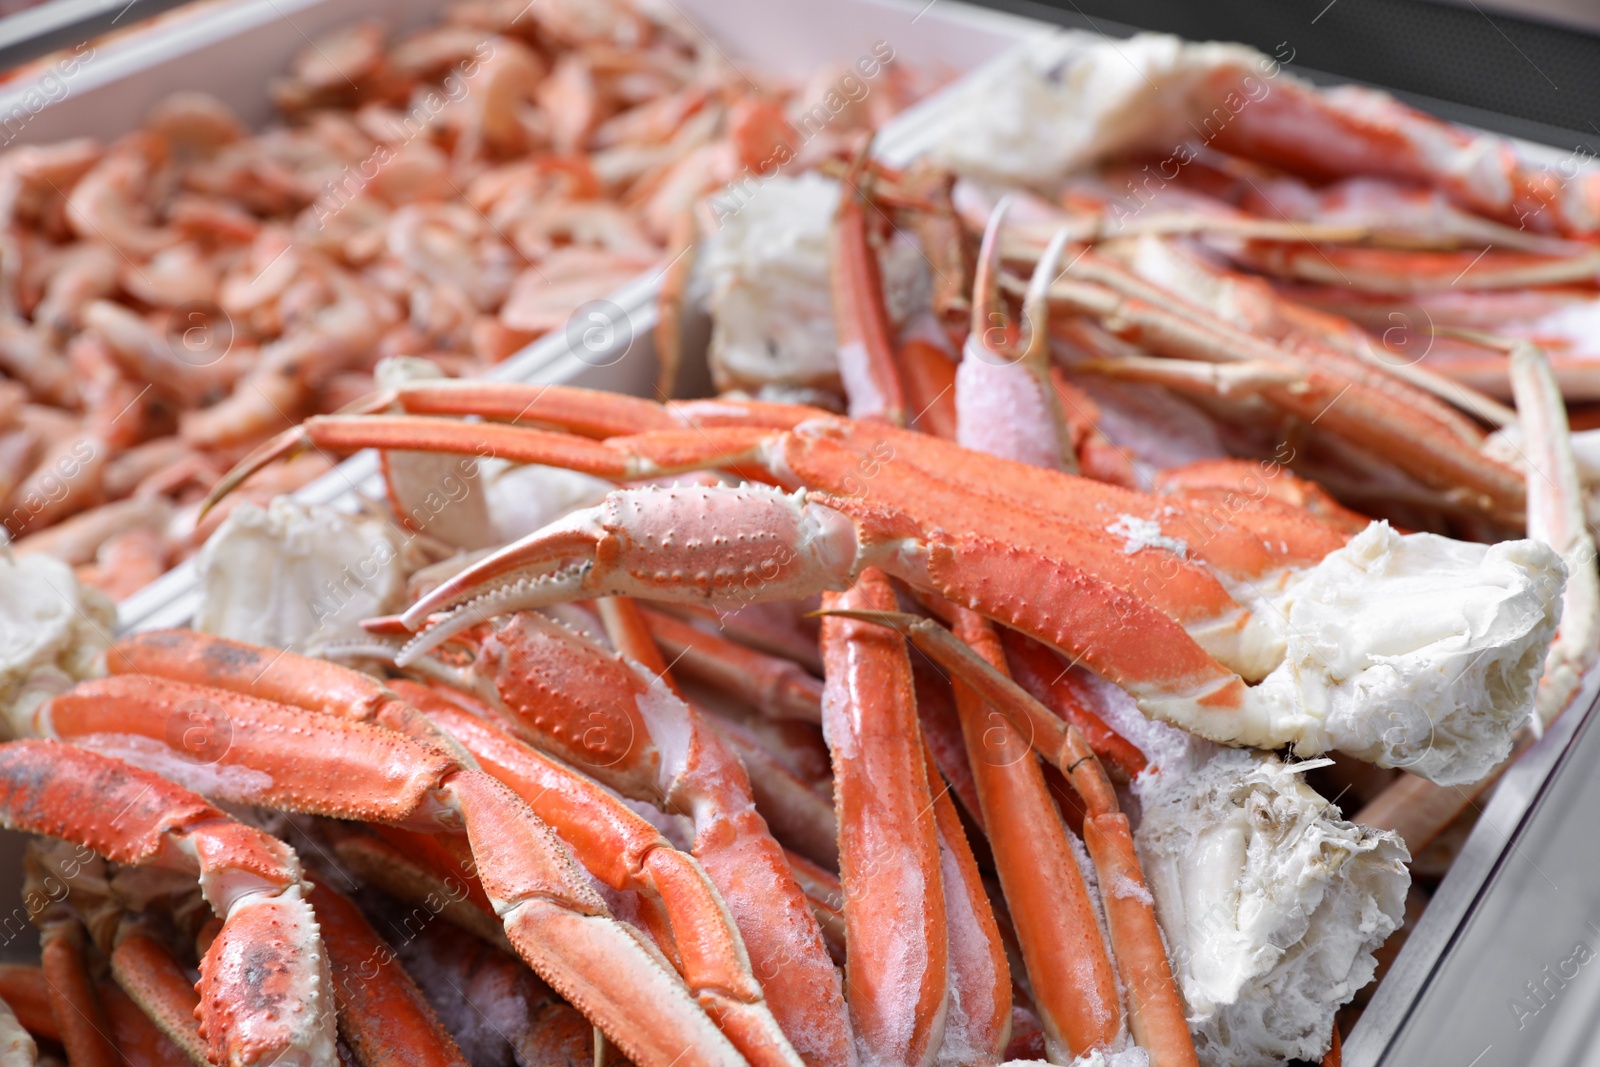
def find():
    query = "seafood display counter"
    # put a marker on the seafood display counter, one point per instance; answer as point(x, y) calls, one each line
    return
point(1310, 606)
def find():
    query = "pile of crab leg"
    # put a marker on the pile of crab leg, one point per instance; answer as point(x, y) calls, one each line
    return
point(1147, 592)
point(1073, 701)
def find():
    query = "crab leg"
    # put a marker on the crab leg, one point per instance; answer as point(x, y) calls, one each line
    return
point(973, 654)
point(299, 760)
point(1049, 681)
point(709, 771)
point(1071, 976)
point(670, 303)
point(626, 852)
point(397, 866)
point(957, 493)
point(1308, 333)
point(941, 733)
point(382, 1015)
point(773, 685)
point(797, 815)
point(265, 992)
point(897, 969)
point(866, 340)
point(1392, 273)
point(1348, 398)
point(1352, 132)
point(1080, 522)
point(140, 1043)
point(943, 239)
point(146, 971)
point(1556, 517)
point(27, 997)
point(1216, 479)
point(605, 716)
point(87, 1035)
point(825, 453)
point(268, 674)
point(978, 1021)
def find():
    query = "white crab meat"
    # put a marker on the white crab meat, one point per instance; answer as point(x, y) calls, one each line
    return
point(765, 269)
point(522, 499)
point(297, 575)
point(52, 631)
point(1271, 904)
point(1412, 651)
point(16, 1044)
point(1069, 100)
point(1128, 1057)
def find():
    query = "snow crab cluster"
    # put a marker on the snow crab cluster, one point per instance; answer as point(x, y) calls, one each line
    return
point(174, 297)
point(978, 716)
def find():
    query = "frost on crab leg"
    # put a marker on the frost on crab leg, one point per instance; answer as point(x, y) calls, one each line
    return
point(897, 969)
point(1006, 404)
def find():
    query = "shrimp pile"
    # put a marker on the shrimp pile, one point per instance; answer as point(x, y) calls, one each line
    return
point(170, 299)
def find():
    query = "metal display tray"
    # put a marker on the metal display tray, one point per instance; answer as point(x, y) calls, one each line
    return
point(1525, 890)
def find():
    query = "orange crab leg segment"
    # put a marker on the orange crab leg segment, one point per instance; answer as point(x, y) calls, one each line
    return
point(268, 674)
point(1072, 978)
point(896, 972)
point(147, 972)
point(25, 992)
point(312, 762)
point(626, 852)
point(87, 1035)
point(139, 1041)
point(382, 1015)
point(264, 990)
point(773, 685)
point(866, 339)
point(974, 656)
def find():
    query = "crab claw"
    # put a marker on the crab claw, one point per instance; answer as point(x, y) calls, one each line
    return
point(728, 545)
point(284, 445)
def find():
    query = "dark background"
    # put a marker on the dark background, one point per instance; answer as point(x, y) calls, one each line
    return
point(1471, 63)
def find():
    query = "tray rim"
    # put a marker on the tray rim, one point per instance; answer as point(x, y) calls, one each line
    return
point(170, 599)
